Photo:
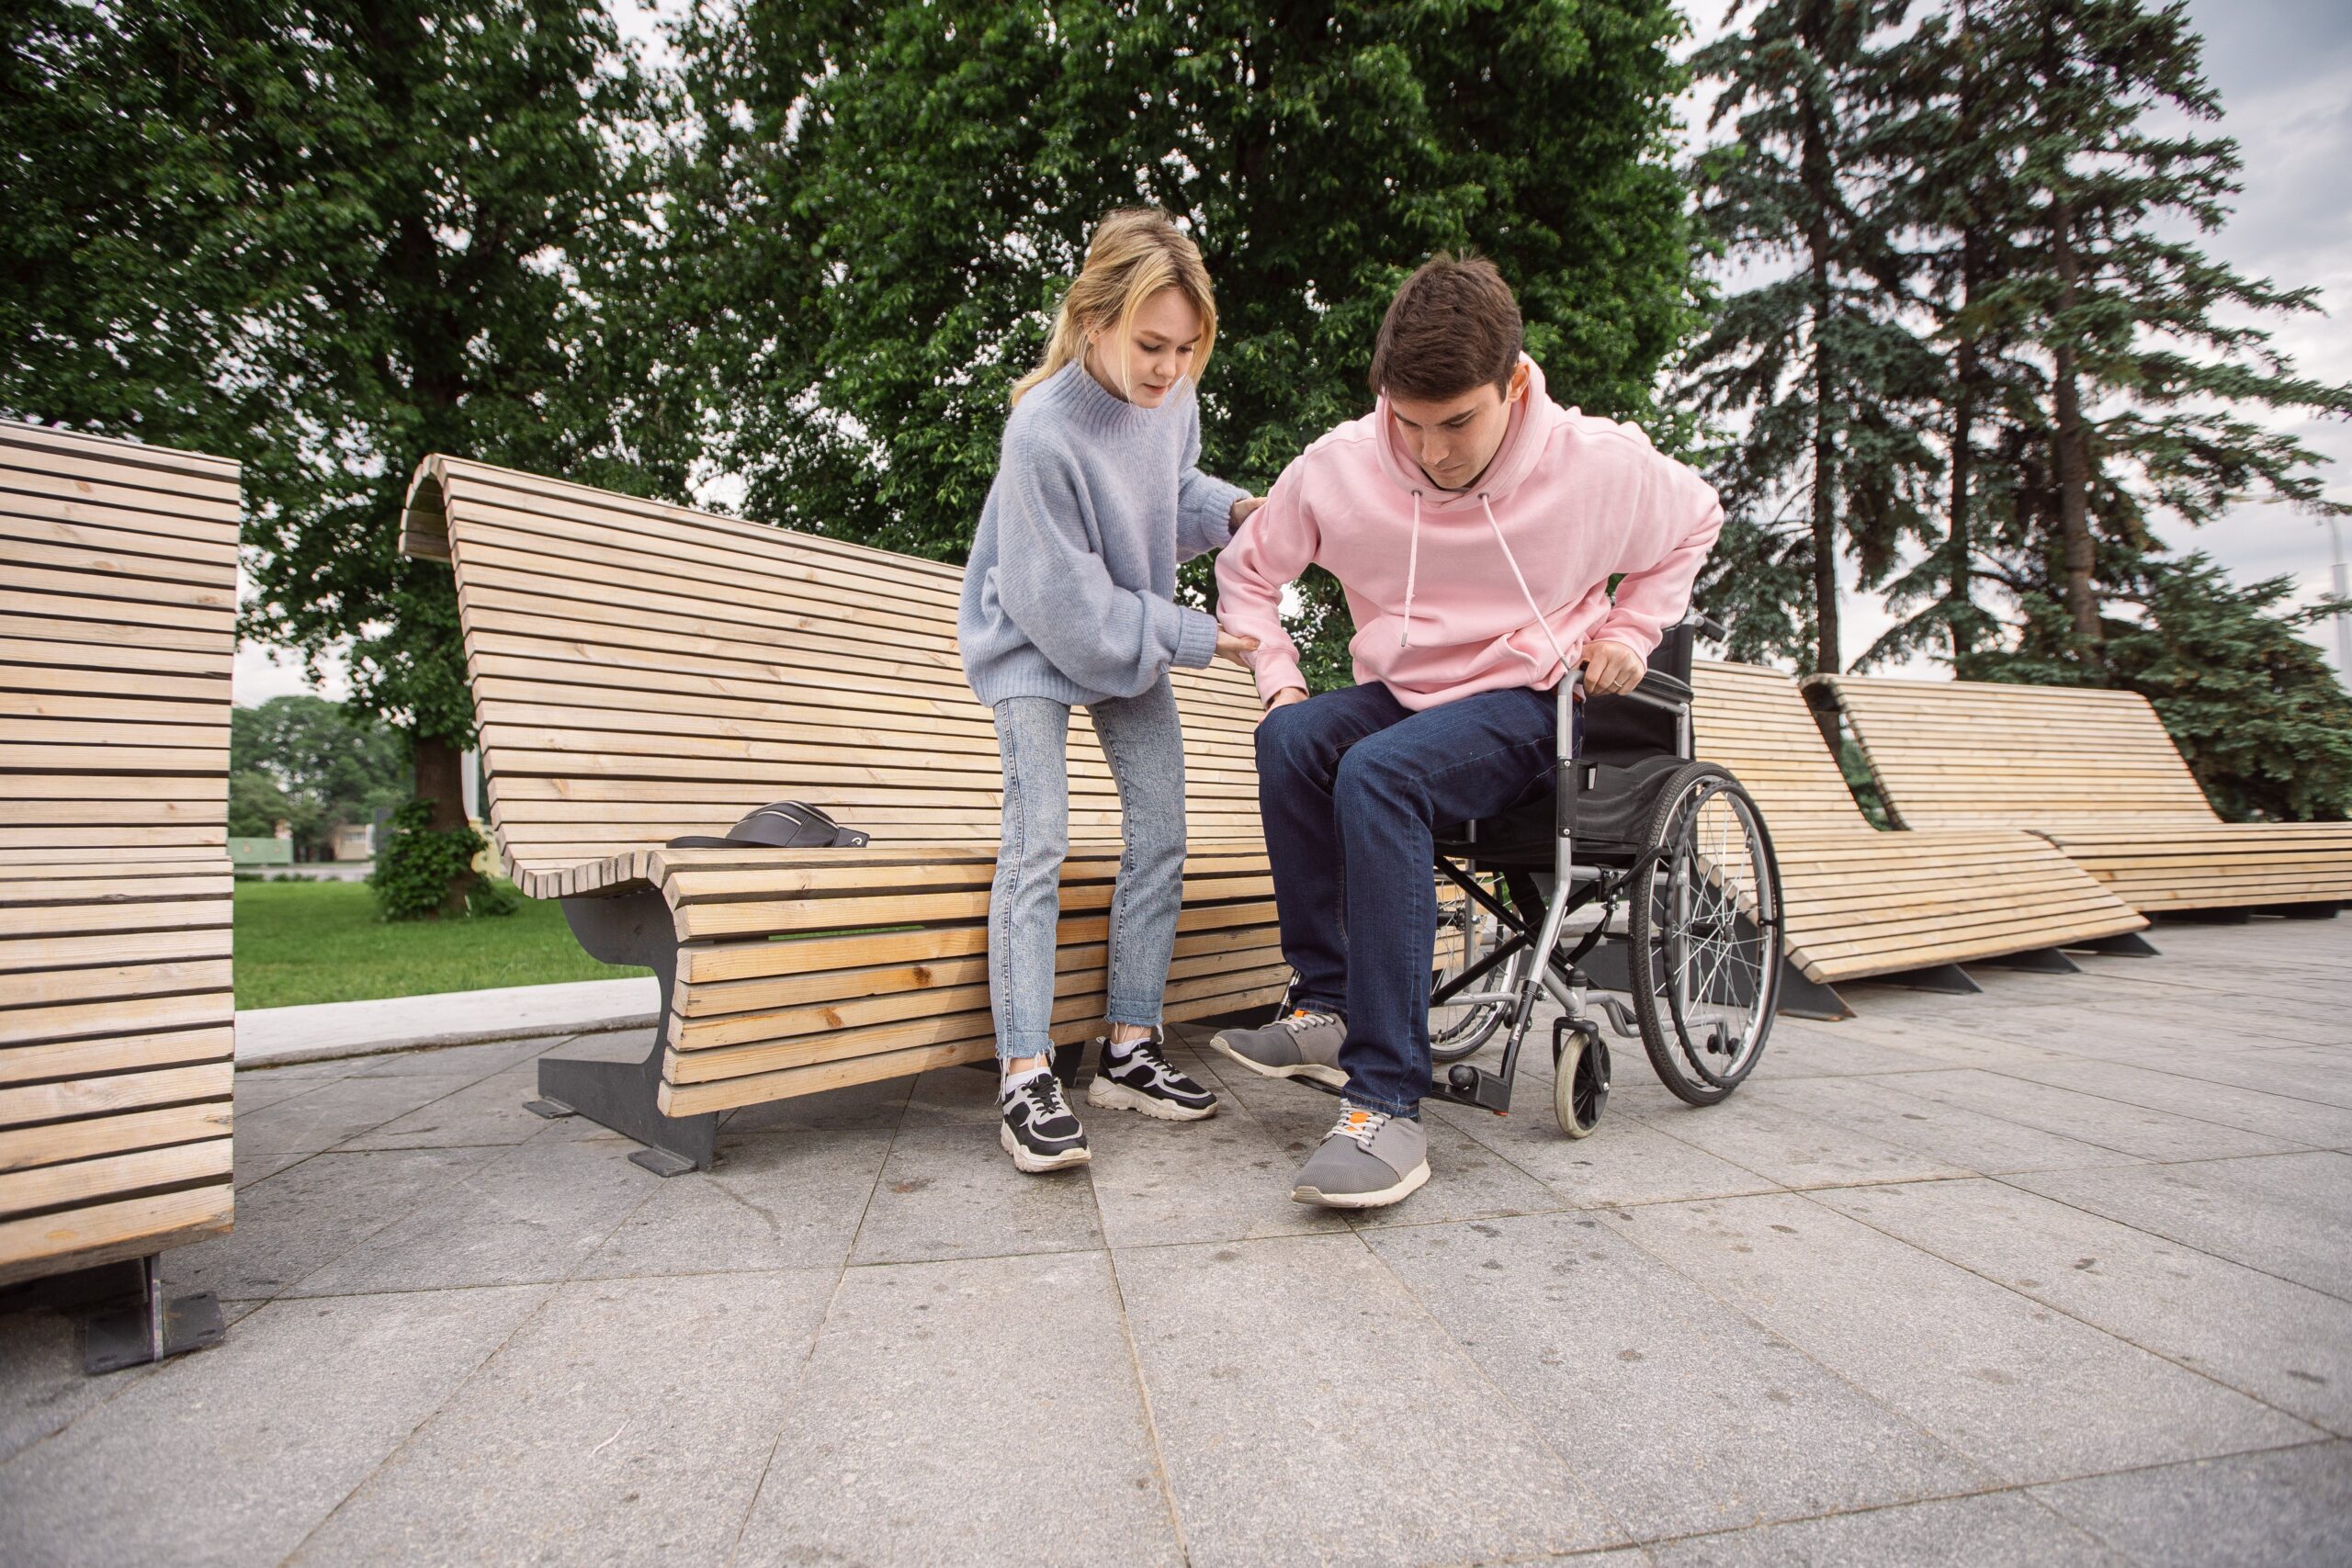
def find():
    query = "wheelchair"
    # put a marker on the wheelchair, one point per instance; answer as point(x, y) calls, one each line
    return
point(1632, 821)
point(1629, 820)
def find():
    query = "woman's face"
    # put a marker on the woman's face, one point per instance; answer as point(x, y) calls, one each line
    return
point(1155, 353)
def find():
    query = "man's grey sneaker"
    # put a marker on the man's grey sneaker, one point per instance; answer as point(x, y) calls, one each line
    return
point(1304, 1046)
point(1041, 1132)
point(1369, 1160)
point(1143, 1080)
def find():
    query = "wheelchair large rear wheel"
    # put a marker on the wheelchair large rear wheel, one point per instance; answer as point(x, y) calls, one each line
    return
point(1705, 931)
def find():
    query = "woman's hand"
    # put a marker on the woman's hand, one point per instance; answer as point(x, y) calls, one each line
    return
point(1242, 511)
point(1233, 648)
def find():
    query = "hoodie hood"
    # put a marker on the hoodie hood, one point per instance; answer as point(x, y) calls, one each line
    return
point(1533, 421)
point(1453, 592)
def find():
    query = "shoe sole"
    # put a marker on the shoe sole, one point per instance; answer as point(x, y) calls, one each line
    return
point(1036, 1163)
point(1336, 1077)
point(1113, 1096)
point(1412, 1182)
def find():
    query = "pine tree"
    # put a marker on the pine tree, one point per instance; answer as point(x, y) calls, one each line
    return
point(888, 199)
point(1830, 378)
point(2143, 365)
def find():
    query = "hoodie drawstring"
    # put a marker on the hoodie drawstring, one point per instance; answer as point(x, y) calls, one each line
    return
point(1565, 667)
point(1412, 565)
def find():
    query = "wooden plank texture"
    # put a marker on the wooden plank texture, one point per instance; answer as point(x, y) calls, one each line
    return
point(118, 594)
point(2094, 772)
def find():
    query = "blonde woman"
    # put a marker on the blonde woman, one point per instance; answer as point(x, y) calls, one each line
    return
point(1070, 600)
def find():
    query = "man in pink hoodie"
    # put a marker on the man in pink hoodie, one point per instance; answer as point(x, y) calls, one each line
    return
point(1474, 526)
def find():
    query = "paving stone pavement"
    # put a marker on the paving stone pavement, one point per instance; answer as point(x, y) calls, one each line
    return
point(2060, 1273)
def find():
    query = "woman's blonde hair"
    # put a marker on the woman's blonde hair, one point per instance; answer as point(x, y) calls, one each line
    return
point(1135, 253)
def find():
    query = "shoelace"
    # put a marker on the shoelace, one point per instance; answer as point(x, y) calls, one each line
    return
point(1046, 1094)
point(1302, 1019)
point(1360, 1124)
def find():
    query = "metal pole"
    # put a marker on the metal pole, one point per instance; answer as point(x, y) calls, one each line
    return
point(2343, 617)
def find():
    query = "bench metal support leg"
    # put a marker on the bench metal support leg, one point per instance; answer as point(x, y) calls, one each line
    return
point(2040, 960)
point(2316, 910)
point(144, 1327)
point(1605, 966)
point(2122, 944)
point(634, 927)
point(1804, 998)
point(1949, 978)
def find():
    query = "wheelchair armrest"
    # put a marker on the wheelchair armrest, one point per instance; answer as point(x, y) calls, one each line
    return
point(1660, 690)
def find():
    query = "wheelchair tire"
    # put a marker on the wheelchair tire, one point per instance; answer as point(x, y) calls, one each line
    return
point(1580, 1086)
point(1705, 934)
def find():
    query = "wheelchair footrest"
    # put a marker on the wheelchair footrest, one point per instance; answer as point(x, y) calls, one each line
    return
point(1469, 1084)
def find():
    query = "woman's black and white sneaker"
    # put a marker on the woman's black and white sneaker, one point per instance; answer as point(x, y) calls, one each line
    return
point(1041, 1132)
point(1142, 1080)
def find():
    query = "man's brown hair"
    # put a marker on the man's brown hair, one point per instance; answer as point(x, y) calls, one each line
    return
point(1453, 327)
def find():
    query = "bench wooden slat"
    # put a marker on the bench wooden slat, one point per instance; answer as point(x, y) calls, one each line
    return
point(1862, 901)
point(643, 671)
point(2095, 772)
point(117, 600)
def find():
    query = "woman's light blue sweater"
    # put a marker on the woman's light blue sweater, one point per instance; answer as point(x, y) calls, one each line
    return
point(1070, 590)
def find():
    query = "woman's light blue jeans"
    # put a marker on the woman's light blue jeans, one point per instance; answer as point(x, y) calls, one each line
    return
point(1144, 743)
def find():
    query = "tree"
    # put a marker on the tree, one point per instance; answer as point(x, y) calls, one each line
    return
point(2099, 364)
point(327, 241)
point(880, 203)
point(1819, 362)
point(321, 765)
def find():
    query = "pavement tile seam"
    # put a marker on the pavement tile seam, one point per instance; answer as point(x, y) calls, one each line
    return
point(2173, 1072)
point(2062, 1311)
point(2177, 1241)
point(808, 1350)
point(1461, 1353)
point(548, 1294)
point(2081, 1137)
point(1143, 1384)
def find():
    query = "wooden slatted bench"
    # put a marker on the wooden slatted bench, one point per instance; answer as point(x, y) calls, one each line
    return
point(118, 604)
point(1863, 902)
point(2094, 772)
point(642, 671)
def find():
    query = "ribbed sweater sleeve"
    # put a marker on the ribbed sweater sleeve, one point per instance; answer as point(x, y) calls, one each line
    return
point(1056, 590)
point(1203, 502)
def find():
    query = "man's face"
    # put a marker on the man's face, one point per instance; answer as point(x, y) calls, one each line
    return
point(1454, 438)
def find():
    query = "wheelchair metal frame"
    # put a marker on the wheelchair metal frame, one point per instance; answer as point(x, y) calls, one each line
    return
point(1536, 962)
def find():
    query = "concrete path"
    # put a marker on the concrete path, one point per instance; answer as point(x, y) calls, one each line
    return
point(2057, 1274)
point(325, 1030)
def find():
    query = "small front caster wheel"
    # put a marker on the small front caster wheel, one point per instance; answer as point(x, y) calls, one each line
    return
point(1581, 1083)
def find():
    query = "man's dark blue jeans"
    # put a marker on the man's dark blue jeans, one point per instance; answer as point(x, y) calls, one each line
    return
point(1352, 785)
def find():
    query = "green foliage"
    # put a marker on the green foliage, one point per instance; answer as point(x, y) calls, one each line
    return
point(2257, 713)
point(328, 240)
point(311, 764)
point(302, 941)
point(424, 873)
point(881, 204)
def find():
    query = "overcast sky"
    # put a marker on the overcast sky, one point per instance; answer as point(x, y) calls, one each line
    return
point(2283, 69)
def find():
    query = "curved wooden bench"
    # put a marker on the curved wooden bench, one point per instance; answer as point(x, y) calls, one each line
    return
point(1863, 902)
point(117, 608)
point(644, 671)
point(2094, 772)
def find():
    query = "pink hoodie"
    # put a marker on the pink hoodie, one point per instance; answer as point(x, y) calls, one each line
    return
point(1568, 502)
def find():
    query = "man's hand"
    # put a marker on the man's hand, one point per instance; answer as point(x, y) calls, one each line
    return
point(1233, 648)
point(1283, 699)
point(1242, 511)
point(1611, 668)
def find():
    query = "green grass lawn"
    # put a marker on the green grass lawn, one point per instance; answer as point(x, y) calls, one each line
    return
point(321, 942)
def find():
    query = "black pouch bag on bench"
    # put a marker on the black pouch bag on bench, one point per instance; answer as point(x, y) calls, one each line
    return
point(785, 824)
